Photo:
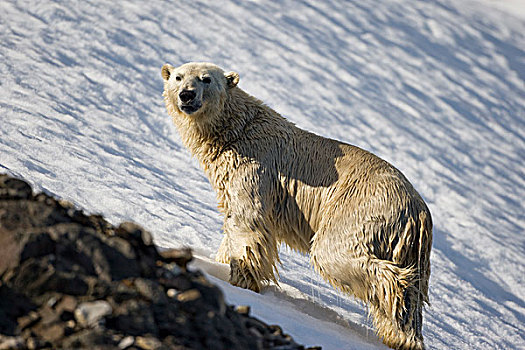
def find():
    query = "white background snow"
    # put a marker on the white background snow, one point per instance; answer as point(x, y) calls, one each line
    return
point(435, 87)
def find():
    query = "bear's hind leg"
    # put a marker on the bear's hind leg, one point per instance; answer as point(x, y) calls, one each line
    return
point(382, 284)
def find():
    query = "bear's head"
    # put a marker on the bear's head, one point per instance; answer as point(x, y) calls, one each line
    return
point(197, 88)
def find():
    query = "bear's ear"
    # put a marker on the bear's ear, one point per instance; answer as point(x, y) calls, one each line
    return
point(232, 78)
point(166, 71)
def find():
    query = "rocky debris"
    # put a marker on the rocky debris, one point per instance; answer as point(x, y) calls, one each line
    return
point(69, 280)
point(88, 314)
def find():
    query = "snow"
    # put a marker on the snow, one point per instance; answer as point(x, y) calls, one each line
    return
point(435, 87)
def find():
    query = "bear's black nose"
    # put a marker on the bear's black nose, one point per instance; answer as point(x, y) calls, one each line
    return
point(187, 96)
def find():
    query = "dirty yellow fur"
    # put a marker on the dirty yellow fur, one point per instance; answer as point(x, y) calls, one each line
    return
point(366, 229)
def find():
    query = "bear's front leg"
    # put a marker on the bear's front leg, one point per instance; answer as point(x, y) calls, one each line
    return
point(249, 246)
point(251, 254)
point(240, 274)
point(244, 276)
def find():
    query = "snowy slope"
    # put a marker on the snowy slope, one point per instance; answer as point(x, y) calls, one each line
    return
point(435, 87)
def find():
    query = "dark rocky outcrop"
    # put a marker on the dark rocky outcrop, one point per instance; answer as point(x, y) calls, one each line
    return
point(71, 280)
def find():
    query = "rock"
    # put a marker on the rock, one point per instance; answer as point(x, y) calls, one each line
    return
point(150, 290)
point(14, 305)
point(90, 313)
point(47, 315)
point(171, 293)
point(34, 343)
point(179, 256)
point(53, 333)
point(126, 342)
point(11, 188)
point(11, 343)
point(71, 280)
point(243, 309)
point(28, 320)
point(131, 229)
point(147, 343)
point(93, 338)
point(142, 241)
point(189, 295)
point(133, 317)
point(276, 330)
point(66, 307)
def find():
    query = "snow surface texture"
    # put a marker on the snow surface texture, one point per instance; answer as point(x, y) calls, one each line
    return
point(435, 87)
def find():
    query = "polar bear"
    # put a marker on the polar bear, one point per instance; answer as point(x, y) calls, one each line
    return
point(366, 229)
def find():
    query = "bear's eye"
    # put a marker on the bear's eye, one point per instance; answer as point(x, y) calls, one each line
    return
point(206, 80)
point(178, 78)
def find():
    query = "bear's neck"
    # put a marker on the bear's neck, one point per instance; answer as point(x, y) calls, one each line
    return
point(208, 135)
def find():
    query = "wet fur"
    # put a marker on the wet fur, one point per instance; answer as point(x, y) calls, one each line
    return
point(366, 229)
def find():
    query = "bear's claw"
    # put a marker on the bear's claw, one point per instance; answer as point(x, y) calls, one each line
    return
point(242, 276)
